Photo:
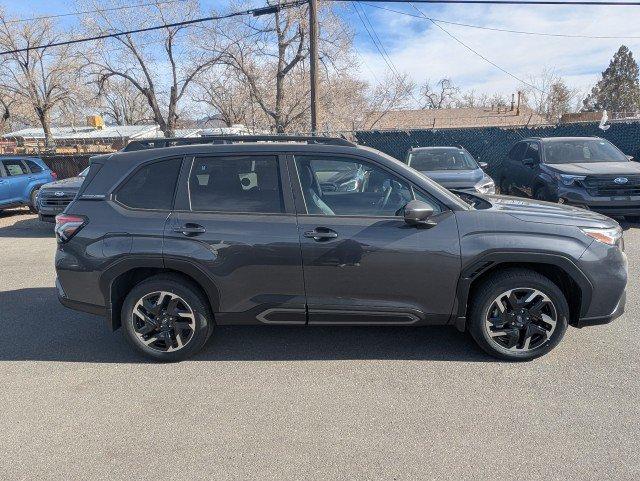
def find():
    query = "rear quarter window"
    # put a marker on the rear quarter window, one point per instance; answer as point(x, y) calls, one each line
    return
point(33, 167)
point(152, 186)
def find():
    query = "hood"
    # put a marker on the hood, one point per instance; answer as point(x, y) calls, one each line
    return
point(455, 179)
point(547, 212)
point(72, 183)
point(596, 168)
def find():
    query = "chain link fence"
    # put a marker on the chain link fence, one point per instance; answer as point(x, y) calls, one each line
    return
point(491, 144)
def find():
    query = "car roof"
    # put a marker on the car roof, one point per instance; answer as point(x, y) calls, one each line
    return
point(559, 139)
point(439, 147)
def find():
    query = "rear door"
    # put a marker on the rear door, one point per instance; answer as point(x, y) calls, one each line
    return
point(362, 263)
point(234, 221)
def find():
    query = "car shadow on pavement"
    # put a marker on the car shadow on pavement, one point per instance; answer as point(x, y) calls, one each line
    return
point(35, 327)
point(29, 227)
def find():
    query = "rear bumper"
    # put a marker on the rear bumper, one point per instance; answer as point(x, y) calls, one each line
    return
point(77, 305)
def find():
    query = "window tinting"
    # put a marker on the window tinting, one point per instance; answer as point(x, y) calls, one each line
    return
point(236, 184)
point(582, 151)
point(517, 151)
point(14, 167)
point(33, 167)
point(151, 187)
point(429, 160)
point(533, 152)
point(342, 186)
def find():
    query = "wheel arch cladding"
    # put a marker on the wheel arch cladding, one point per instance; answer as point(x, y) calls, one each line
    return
point(572, 282)
point(122, 283)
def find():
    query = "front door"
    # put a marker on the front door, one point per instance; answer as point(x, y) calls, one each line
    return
point(362, 263)
point(236, 223)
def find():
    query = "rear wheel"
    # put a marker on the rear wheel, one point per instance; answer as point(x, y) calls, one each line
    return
point(166, 318)
point(518, 315)
point(634, 219)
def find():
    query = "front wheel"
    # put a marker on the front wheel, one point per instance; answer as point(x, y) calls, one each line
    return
point(166, 318)
point(518, 315)
point(33, 204)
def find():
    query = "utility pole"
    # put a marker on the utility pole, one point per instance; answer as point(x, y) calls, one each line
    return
point(313, 68)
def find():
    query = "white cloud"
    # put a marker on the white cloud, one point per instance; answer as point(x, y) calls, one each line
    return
point(419, 48)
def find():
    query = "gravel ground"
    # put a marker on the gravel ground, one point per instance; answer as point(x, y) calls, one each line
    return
point(294, 403)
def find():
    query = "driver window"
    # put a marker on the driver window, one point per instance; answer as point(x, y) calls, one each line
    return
point(344, 186)
point(533, 152)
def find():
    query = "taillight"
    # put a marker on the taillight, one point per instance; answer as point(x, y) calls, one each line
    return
point(54, 176)
point(68, 225)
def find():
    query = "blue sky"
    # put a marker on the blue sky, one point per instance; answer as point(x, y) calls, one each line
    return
point(422, 50)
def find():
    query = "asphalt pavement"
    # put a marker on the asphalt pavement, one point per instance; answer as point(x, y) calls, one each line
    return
point(303, 403)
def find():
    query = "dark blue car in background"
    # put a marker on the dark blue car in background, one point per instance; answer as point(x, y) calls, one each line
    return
point(20, 181)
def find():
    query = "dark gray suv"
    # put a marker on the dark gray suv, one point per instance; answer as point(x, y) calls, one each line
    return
point(170, 242)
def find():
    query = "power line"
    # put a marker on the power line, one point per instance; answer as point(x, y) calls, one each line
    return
point(495, 29)
point(377, 43)
point(514, 2)
point(252, 11)
point(84, 12)
point(478, 53)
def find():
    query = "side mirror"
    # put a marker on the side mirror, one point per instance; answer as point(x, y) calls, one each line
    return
point(483, 165)
point(418, 213)
point(529, 162)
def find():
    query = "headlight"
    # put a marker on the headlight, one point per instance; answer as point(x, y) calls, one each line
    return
point(485, 186)
point(609, 236)
point(568, 179)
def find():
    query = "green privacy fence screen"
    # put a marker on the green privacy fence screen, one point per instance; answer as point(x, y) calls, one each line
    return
point(491, 144)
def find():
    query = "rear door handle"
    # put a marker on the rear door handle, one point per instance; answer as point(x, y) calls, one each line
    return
point(321, 233)
point(190, 229)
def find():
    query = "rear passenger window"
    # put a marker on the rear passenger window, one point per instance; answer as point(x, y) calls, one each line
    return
point(236, 184)
point(151, 187)
point(14, 167)
point(33, 167)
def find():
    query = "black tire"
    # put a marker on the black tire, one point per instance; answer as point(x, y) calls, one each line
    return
point(504, 189)
point(33, 206)
point(542, 193)
point(194, 300)
point(634, 219)
point(484, 298)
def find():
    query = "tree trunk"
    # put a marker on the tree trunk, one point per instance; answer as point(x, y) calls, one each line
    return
point(45, 121)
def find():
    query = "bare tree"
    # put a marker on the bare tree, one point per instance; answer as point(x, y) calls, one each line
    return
point(392, 93)
point(44, 79)
point(122, 103)
point(269, 54)
point(551, 96)
point(441, 95)
point(226, 93)
point(160, 64)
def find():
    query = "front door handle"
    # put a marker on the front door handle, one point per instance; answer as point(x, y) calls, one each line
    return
point(321, 234)
point(190, 229)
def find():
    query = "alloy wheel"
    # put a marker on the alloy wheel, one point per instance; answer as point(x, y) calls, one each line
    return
point(163, 321)
point(521, 319)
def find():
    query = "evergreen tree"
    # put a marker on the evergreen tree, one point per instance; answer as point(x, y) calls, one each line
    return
point(619, 88)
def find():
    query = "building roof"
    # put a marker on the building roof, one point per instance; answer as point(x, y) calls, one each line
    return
point(456, 118)
point(85, 133)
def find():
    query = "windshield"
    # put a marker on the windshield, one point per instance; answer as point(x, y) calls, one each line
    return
point(581, 151)
point(429, 160)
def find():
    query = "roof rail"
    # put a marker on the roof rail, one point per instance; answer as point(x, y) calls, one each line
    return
point(161, 142)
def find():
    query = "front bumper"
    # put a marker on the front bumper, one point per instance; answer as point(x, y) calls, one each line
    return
point(607, 205)
point(596, 321)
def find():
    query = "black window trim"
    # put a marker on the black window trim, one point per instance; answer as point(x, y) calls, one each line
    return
point(183, 194)
point(21, 161)
point(42, 169)
point(113, 195)
point(303, 212)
